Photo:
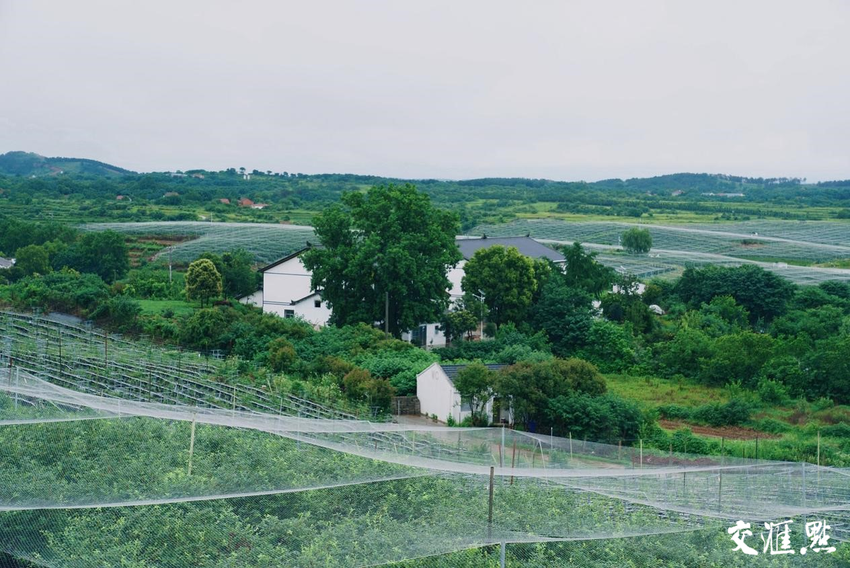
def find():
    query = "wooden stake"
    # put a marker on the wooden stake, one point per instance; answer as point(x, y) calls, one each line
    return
point(191, 445)
point(490, 506)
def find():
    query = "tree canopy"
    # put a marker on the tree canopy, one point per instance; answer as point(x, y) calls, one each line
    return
point(505, 278)
point(637, 241)
point(203, 281)
point(388, 248)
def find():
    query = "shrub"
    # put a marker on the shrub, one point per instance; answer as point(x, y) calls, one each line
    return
point(733, 413)
point(281, 355)
point(675, 412)
point(772, 392)
point(606, 418)
point(840, 430)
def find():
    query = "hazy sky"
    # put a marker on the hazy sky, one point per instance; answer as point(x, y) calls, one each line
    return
point(455, 89)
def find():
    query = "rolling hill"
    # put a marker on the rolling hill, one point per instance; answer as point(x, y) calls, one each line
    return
point(31, 164)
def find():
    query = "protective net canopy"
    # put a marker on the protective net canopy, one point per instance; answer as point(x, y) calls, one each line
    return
point(103, 473)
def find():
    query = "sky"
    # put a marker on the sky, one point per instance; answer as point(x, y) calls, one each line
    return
point(563, 90)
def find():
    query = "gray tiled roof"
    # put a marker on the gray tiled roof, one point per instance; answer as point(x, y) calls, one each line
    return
point(6, 262)
point(526, 245)
point(451, 371)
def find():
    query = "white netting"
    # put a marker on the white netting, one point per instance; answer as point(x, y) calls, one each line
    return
point(773, 245)
point(96, 473)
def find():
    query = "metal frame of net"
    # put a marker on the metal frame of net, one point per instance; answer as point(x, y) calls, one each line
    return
point(99, 468)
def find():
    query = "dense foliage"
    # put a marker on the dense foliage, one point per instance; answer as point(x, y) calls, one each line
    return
point(384, 257)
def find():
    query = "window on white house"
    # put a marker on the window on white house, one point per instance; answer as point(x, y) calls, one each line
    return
point(289, 313)
point(317, 303)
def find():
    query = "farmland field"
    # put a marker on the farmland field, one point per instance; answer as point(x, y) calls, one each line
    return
point(785, 247)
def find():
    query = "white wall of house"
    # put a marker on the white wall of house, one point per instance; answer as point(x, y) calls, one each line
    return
point(287, 282)
point(255, 299)
point(438, 396)
point(455, 277)
point(287, 292)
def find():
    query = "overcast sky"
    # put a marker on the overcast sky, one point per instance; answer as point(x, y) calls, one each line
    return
point(456, 89)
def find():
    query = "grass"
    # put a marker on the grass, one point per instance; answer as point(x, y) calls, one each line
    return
point(651, 391)
point(155, 307)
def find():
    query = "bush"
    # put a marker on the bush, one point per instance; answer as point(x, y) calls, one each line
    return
point(606, 418)
point(675, 412)
point(772, 392)
point(121, 312)
point(840, 430)
point(733, 413)
point(281, 355)
point(360, 386)
point(65, 291)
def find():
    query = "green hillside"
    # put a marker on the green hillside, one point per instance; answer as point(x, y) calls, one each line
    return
point(31, 164)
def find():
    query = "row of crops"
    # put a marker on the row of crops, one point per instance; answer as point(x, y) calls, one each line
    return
point(266, 241)
point(111, 455)
point(776, 245)
point(676, 247)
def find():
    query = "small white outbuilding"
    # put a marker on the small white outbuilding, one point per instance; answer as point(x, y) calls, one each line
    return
point(438, 396)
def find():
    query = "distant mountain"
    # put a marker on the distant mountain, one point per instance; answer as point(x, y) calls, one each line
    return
point(30, 164)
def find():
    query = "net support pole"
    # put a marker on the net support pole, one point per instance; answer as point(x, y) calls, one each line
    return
point(641, 452)
point(490, 504)
point(191, 445)
point(571, 447)
point(502, 555)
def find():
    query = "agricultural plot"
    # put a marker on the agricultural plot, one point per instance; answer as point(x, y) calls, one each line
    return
point(186, 472)
point(676, 247)
point(267, 242)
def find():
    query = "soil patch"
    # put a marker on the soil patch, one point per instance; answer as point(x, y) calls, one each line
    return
point(731, 432)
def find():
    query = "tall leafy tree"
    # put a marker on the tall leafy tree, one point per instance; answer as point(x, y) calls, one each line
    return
point(475, 383)
point(203, 281)
point(104, 254)
point(31, 259)
point(582, 270)
point(505, 277)
point(637, 241)
point(565, 314)
point(386, 251)
point(764, 294)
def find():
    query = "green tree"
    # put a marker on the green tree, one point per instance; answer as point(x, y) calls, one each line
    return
point(203, 282)
point(31, 259)
point(104, 254)
point(530, 386)
point(565, 314)
point(457, 323)
point(475, 384)
point(582, 270)
point(505, 277)
point(637, 241)
point(737, 357)
point(388, 249)
point(762, 293)
point(237, 277)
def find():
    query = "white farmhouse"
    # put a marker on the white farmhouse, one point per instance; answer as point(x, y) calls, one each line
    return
point(288, 293)
point(438, 396)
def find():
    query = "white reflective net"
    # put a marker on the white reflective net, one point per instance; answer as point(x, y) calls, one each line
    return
point(94, 473)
